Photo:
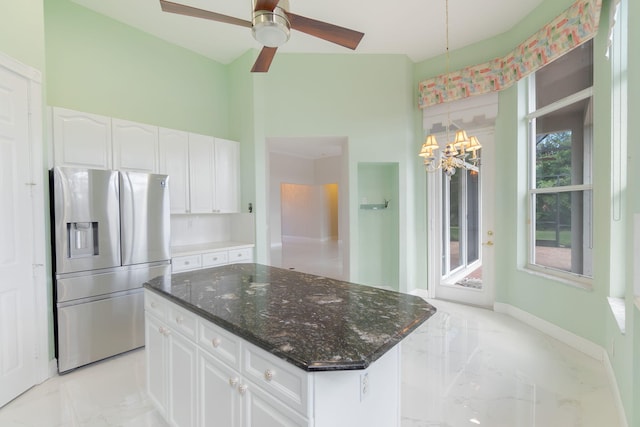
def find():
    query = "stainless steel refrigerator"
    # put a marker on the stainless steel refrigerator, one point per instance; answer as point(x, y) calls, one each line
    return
point(111, 233)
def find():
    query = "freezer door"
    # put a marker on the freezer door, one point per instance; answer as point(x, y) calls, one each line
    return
point(87, 220)
point(73, 287)
point(99, 329)
point(144, 216)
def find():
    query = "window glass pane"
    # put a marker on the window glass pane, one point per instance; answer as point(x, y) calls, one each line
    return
point(562, 145)
point(473, 216)
point(563, 231)
point(567, 75)
point(455, 195)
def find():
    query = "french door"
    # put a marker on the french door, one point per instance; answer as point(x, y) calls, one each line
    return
point(461, 236)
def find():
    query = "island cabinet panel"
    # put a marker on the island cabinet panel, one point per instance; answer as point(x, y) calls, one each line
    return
point(261, 409)
point(171, 360)
point(221, 402)
point(277, 377)
point(219, 343)
point(182, 381)
point(157, 362)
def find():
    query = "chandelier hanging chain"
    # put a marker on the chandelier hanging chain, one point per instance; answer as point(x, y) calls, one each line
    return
point(456, 151)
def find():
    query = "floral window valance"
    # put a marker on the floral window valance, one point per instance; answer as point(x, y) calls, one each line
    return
point(575, 26)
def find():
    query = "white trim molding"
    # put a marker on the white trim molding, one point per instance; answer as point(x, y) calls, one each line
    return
point(581, 344)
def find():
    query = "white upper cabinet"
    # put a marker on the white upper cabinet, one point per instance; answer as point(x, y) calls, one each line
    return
point(135, 146)
point(174, 161)
point(227, 182)
point(201, 172)
point(81, 139)
point(214, 174)
point(204, 172)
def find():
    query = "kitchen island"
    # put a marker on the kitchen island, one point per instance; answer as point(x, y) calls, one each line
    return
point(253, 345)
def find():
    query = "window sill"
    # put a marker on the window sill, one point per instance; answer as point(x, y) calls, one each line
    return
point(619, 312)
point(573, 280)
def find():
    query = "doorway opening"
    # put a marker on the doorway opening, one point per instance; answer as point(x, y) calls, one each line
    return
point(308, 206)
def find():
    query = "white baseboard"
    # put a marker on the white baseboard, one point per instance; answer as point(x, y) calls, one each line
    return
point(571, 339)
point(613, 382)
point(304, 239)
point(581, 344)
point(53, 367)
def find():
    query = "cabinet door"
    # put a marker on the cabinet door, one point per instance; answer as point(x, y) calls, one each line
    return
point(261, 410)
point(227, 182)
point(135, 146)
point(156, 354)
point(81, 140)
point(218, 393)
point(182, 378)
point(201, 173)
point(174, 161)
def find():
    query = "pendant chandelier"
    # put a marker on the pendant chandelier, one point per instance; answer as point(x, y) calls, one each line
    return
point(456, 153)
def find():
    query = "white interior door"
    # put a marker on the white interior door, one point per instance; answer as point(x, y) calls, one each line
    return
point(19, 269)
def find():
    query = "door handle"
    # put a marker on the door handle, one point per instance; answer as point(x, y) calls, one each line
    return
point(488, 243)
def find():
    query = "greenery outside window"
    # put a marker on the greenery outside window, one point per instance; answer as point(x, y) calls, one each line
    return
point(560, 173)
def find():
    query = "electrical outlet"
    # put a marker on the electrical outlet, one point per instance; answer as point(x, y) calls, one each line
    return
point(364, 385)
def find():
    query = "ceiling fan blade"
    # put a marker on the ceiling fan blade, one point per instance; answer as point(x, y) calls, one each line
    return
point(266, 5)
point(182, 9)
point(264, 60)
point(333, 33)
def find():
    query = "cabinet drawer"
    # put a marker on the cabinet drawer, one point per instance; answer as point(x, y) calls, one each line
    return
point(184, 263)
point(182, 321)
point(219, 343)
point(155, 305)
point(240, 255)
point(212, 259)
point(277, 377)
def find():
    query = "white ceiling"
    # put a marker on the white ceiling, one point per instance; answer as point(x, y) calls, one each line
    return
point(412, 27)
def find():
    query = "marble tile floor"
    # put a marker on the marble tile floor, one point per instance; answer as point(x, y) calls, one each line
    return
point(466, 366)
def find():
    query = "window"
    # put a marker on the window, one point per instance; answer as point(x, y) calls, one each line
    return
point(560, 184)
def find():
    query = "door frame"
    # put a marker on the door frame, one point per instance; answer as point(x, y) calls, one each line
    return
point(477, 116)
point(45, 367)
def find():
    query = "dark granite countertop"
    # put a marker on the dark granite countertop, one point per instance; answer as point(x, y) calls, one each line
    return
point(313, 322)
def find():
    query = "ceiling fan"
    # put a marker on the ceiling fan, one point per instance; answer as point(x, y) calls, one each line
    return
point(271, 24)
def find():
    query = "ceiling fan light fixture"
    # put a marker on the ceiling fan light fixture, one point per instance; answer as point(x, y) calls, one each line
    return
point(270, 29)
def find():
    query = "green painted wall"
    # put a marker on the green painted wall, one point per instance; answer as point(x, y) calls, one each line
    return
point(22, 31)
point(367, 98)
point(379, 228)
point(583, 312)
point(99, 65)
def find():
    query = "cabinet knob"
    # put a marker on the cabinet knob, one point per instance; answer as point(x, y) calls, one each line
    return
point(187, 263)
point(216, 342)
point(268, 374)
point(233, 382)
point(153, 304)
point(242, 389)
point(179, 320)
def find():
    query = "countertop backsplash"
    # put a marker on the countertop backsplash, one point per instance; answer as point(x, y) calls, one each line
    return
point(189, 230)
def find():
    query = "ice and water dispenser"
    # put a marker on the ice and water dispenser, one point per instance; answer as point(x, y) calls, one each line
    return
point(82, 239)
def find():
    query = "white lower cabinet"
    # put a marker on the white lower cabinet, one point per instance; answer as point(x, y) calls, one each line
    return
point(210, 259)
point(219, 397)
point(171, 361)
point(201, 374)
